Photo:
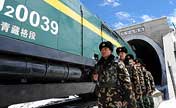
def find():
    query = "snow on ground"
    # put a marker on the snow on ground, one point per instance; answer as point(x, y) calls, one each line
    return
point(168, 104)
point(41, 103)
point(157, 99)
point(34, 104)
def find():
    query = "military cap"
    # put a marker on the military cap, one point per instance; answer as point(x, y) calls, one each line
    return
point(106, 44)
point(121, 49)
point(129, 56)
point(138, 60)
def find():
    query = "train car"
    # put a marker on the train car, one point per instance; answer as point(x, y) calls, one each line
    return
point(48, 49)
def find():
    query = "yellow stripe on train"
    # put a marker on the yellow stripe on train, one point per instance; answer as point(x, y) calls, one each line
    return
point(72, 14)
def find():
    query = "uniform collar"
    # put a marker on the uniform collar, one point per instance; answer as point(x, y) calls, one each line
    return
point(108, 60)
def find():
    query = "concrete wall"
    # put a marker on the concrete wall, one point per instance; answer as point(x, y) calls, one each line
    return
point(154, 29)
point(170, 60)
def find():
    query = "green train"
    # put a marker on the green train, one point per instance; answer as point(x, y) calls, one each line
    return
point(49, 46)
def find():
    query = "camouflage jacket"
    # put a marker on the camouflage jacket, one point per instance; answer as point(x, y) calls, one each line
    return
point(113, 71)
point(142, 81)
point(107, 72)
point(135, 80)
point(149, 81)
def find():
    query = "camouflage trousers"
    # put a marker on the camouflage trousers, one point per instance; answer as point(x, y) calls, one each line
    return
point(132, 103)
point(110, 98)
point(146, 101)
point(140, 103)
point(151, 102)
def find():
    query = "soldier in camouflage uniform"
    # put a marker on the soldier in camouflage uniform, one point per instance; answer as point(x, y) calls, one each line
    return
point(122, 52)
point(130, 65)
point(113, 78)
point(146, 101)
point(150, 85)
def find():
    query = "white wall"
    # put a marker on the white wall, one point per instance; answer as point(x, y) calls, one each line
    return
point(170, 59)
